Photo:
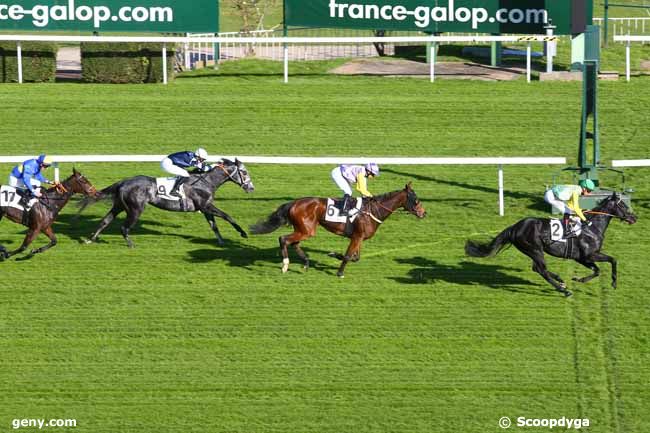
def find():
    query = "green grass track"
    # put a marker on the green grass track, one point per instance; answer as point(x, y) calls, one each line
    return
point(180, 335)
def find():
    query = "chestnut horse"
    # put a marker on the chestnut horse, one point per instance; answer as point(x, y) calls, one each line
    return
point(306, 214)
point(42, 215)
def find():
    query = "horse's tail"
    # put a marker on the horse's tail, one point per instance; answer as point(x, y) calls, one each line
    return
point(276, 220)
point(104, 194)
point(478, 249)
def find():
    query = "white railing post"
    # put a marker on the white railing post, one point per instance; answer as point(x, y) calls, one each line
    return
point(286, 63)
point(164, 62)
point(528, 62)
point(501, 204)
point(627, 61)
point(57, 173)
point(188, 61)
point(19, 59)
point(432, 61)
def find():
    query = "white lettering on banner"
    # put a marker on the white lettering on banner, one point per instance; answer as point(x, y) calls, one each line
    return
point(41, 15)
point(424, 15)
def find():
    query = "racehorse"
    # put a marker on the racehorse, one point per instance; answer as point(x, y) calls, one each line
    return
point(532, 236)
point(306, 214)
point(133, 194)
point(40, 217)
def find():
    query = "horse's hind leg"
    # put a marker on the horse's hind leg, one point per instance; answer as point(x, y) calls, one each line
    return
point(106, 221)
point(302, 255)
point(591, 265)
point(292, 239)
point(539, 266)
point(29, 238)
point(132, 217)
point(50, 234)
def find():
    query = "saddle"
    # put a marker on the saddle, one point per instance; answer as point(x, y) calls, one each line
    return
point(333, 213)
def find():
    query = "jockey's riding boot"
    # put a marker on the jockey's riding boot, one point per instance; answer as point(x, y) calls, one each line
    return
point(344, 205)
point(568, 226)
point(25, 198)
point(174, 192)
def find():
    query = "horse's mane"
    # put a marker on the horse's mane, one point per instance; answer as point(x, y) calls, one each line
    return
point(603, 204)
point(385, 195)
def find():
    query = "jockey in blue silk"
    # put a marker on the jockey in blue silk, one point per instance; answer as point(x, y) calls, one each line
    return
point(177, 163)
point(29, 174)
point(346, 175)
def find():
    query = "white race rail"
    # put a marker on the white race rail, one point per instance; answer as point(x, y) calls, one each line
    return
point(631, 163)
point(499, 162)
point(629, 39)
point(433, 40)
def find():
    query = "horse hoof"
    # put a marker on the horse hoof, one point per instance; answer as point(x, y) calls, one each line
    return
point(87, 241)
point(563, 285)
point(244, 235)
point(613, 285)
point(285, 269)
point(568, 293)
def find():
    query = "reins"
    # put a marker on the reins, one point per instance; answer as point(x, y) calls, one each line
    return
point(592, 212)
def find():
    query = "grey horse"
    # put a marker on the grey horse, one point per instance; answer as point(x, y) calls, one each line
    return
point(133, 194)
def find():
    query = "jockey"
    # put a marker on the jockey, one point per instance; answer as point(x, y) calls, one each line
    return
point(177, 163)
point(29, 175)
point(566, 199)
point(346, 175)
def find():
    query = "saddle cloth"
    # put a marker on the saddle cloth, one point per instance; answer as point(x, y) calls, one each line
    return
point(557, 229)
point(333, 213)
point(164, 186)
point(10, 197)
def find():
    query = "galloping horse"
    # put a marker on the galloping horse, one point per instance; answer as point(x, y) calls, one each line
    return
point(40, 217)
point(306, 214)
point(133, 194)
point(532, 236)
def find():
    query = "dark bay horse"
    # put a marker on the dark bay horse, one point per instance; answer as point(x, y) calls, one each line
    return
point(306, 214)
point(133, 194)
point(532, 236)
point(42, 215)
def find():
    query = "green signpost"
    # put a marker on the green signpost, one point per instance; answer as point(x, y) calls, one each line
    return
point(163, 16)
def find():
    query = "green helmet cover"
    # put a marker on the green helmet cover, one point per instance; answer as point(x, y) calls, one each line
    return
point(588, 184)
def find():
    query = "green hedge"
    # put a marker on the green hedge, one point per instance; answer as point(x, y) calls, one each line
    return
point(39, 62)
point(125, 62)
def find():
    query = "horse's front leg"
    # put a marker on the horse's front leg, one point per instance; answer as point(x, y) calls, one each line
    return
point(213, 225)
point(212, 209)
point(352, 254)
point(50, 234)
point(602, 257)
point(587, 264)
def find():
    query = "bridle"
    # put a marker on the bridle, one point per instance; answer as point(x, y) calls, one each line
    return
point(241, 182)
point(618, 205)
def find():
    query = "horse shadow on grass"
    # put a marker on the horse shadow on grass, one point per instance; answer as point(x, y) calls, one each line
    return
point(80, 227)
point(240, 254)
point(427, 271)
point(536, 201)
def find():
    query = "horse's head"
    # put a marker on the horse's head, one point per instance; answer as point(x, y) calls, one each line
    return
point(238, 173)
point(614, 205)
point(78, 183)
point(412, 204)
